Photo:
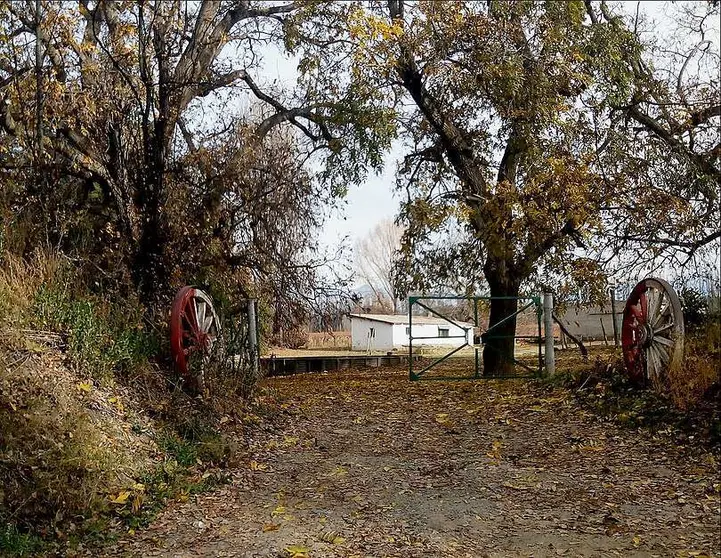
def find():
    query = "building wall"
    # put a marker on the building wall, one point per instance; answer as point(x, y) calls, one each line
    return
point(382, 341)
point(400, 336)
point(387, 336)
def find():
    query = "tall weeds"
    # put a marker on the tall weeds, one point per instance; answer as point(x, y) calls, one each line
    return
point(698, 380)
point(102, 338)
point(64, 440)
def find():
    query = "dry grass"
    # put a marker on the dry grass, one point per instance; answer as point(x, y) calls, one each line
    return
point(66, 444)
point(339, 340)
point(694, 381)
point(21, 280)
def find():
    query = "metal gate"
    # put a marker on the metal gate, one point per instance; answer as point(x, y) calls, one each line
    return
point(438, 369)
point(235, 360)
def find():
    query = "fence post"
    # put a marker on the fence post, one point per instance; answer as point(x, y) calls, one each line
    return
point(253, 337)
point(550, 356)
point(612, 293)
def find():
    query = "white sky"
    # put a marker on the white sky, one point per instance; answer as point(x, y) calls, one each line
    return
point(366, 205)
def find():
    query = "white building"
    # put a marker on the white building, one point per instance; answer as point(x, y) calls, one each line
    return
point(383, 332)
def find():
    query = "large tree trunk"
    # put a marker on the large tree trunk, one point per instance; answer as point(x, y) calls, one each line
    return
point(150, 268)
point(150, 265)
point(498, 350)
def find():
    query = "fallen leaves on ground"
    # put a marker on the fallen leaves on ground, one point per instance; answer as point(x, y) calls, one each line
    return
point(374, 465)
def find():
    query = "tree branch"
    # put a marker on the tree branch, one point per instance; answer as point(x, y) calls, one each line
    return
point(655, 127)
point(284, 114)
point(458, 148)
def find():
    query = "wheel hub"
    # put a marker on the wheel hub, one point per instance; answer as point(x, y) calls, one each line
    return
point(645, 335)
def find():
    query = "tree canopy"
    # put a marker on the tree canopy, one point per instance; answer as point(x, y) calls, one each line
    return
point(491, 100)
point(143, 136)
point(659, 140)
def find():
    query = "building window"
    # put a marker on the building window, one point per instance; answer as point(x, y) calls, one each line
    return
point(408, 331)
point(443, 332)
point(372, 332)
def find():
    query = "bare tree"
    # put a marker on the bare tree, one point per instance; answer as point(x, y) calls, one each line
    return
point(374, 256)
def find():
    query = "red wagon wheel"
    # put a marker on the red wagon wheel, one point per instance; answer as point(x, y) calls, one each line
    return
point(652, 331)
point(194, 328)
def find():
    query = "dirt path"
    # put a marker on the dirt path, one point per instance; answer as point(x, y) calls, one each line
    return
point(369, 464)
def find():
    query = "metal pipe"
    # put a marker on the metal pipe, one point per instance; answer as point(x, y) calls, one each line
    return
point(550, 355)
point(411, 375)
point(253, 338)
point(612, 292)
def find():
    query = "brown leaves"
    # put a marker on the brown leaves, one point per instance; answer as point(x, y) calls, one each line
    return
point(399, 482)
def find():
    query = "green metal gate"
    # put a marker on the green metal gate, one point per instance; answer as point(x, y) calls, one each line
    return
point(532, 304)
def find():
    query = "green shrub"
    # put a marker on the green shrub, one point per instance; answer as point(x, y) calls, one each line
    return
point(695, 307)
point(102, 339)
point(184, 452)
point(15, 543)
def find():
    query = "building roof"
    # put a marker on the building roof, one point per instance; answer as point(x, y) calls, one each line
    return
point(403, 319)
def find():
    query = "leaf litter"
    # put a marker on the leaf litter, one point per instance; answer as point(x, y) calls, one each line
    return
point(366, 463)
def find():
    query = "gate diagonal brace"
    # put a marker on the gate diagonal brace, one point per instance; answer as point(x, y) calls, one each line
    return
point(532, 301)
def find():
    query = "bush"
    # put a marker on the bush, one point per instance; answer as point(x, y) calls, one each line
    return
point(604, 385)
point(17, 543)
point(21, 280)
point(101, 338)
point(695, 308)
point(64, 440)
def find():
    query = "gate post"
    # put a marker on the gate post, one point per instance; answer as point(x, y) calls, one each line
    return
point(550, 356)
point(253, 338)
point(612, 293)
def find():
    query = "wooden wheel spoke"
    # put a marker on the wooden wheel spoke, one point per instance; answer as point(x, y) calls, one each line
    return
point(663, 328)
point(664, 313)
point(207, 323)
point(643, 303)
point(663, 341)
point(200, 311)
point(192, 316)
point(653, 363)
point(652, 296)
